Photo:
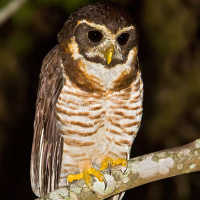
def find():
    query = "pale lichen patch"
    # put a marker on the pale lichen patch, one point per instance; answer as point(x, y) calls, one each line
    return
point(179, 166)
point(192, 166)
point(57, 194)
point(73, 196)
point(135, 166)
point(86, 188)
point(184, 151)
point(76, 189)
point(148, 168)
point(165, 165)
point(54, 195)
point(197, 143)
point(80, 183)
point(161, 154)
point(125, 180)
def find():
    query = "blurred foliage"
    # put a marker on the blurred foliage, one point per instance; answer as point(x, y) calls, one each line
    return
point(169, 54)
point(68, 6)
point(172, 28)
point(4, 2)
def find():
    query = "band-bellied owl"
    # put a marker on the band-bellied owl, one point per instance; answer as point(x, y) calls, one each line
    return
point(89, 102)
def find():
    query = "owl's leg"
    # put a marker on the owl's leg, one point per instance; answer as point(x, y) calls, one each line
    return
point(109, 162)
point(86, 175)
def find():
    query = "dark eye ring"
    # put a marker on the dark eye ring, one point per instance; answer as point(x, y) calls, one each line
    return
point(123, 39)
point(95, 36)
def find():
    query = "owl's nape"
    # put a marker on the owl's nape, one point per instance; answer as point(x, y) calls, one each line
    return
point(89, 103)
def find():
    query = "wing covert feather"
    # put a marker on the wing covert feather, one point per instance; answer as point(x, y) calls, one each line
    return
point(47, 145)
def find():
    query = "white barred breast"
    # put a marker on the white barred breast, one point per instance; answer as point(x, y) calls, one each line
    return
point(96, 125)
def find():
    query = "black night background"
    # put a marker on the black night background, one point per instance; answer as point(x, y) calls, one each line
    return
point(169, 54)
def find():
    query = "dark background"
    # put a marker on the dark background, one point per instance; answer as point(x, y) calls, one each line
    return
point(169, 55)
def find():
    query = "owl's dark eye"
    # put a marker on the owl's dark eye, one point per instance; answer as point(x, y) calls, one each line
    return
point(95, 36)
point(123, 39)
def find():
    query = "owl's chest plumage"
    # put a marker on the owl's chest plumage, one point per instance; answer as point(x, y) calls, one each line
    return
point(97, 124)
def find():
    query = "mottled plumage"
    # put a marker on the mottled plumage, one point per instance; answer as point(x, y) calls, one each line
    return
point(89, 103)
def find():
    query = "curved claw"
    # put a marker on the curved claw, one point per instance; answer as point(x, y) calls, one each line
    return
point(90, 187)
point(125, 170)
point(109, 167)
point(89, 184)
point(105, 182)
point(125, 164)
point(87, 178)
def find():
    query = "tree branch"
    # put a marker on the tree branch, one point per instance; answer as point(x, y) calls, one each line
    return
point(10, 10)
point(141, 170)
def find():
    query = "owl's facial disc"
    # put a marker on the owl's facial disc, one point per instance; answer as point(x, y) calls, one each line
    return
point(100, 44)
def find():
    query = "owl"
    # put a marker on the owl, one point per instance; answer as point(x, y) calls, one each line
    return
point(89, 102)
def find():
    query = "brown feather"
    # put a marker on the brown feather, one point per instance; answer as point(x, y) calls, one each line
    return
point(47, 143)
point(116, 197)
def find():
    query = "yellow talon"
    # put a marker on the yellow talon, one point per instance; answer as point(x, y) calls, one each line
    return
point(86, 176)
point(105, 163)
point(121, 161)
point(113, 162)
point(97, 174)
point(73, 177)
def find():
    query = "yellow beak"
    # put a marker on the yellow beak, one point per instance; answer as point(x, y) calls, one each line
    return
point(109, 53)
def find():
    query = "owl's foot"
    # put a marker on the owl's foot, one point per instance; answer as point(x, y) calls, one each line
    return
point(86, 176)
point(109, 162)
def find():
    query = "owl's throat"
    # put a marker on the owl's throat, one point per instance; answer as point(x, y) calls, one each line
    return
point(97, 77)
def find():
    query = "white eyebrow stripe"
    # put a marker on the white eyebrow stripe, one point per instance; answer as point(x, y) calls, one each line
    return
point(105, 29)
point(100, 27)
point(125, 29)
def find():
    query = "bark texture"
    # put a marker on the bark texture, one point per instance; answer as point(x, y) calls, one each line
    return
point(141, 170)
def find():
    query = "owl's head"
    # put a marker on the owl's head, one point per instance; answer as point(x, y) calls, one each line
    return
point(101, 33)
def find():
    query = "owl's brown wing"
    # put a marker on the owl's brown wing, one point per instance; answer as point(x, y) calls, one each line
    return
point(47, 146)
point(117, 197)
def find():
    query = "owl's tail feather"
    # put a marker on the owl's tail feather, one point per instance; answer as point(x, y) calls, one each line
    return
point(117, 197)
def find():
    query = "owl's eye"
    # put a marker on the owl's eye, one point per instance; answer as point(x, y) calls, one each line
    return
point(123, 39)
point(95, 36)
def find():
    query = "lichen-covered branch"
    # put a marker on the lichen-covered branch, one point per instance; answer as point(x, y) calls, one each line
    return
point(10, 9)
point(141, 170)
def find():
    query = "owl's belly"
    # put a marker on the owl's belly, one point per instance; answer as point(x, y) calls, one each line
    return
point(97, 125)
point(122, 122)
